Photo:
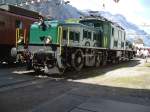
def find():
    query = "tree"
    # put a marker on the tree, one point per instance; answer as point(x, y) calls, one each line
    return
point(138, 40)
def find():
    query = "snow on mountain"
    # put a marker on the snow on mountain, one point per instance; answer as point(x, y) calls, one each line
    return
point(54, 8)
point(59, 10)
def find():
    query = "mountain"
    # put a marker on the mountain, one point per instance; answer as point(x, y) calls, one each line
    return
point(54, 8)
point(60, 10)
point(133, 31)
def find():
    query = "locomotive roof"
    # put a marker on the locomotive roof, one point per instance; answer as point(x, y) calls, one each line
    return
point(100, 18)
point(19, 11)
point(63, 23)
point(79, 25)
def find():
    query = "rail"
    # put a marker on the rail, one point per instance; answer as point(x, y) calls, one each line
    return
point(60, 39)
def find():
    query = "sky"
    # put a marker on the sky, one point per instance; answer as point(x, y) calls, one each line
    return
point(136, 11)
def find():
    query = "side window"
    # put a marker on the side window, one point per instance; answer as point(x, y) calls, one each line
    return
point(77, 36)
point(127, 43)
point(94, 36)
point(84, 34)
point(64, 34)
point(115, 43)
point(122, 44)
point(89, 35)
point(19, 24)
point(71, 35)
point(112, 32)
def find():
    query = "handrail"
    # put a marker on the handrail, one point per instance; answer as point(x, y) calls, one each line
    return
point(60, 39)
point(68, 36)
point(24, 36)
point(17, 35)
point(58, 35)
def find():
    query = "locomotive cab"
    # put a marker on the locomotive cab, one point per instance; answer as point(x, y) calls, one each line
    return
point(43, 42)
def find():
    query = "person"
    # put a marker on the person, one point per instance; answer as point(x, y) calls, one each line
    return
point(138, 53)
point(145, 54)
point(41, 20)
point(42, 23)
point(142, 53)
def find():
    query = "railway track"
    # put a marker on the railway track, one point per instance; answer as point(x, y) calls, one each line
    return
point(12, 78)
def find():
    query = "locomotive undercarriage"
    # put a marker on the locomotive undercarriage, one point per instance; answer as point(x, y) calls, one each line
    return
point(70, 57)
point(48, 61)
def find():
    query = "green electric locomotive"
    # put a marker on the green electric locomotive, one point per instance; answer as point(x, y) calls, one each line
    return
point(59, 45)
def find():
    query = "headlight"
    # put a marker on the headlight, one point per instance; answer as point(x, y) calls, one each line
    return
point(14, 52)
point(20, 40)
point(48, 40)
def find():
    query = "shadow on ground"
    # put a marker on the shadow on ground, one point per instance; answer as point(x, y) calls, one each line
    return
point(88, 72)
point(61, 94)
point(64, 96)
point(12, 65)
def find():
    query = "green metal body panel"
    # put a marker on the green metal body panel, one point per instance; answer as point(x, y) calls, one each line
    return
point(54, 29)
point(105, 27)
point(72, 20)
point(106, 35)
point(36, 32)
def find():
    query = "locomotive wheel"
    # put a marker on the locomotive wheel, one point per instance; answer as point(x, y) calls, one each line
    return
point(29, 65)
point(97, 61)
point(37, 71)
point(77, 60)
point(61, 71)
point(117, 60)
